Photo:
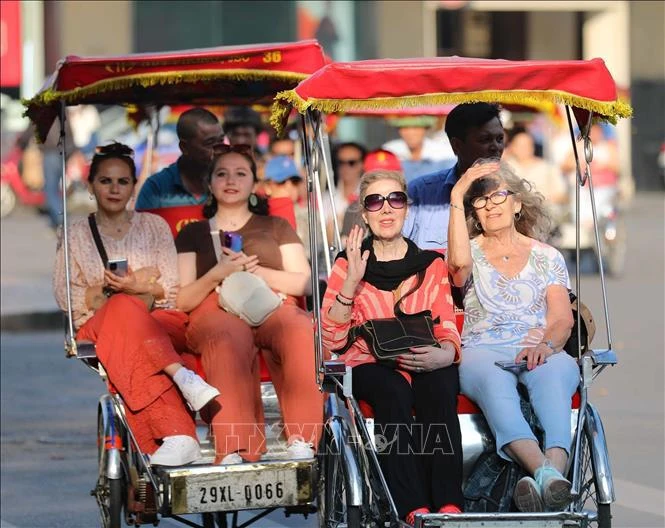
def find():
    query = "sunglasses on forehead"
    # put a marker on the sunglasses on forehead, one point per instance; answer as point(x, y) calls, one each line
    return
point(114, 149)
point(223, 148)
point(374, 202)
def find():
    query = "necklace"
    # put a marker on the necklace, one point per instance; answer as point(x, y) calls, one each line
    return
point(117, 228)
point(232, 223)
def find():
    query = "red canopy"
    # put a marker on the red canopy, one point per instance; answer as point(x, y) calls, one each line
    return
point(231, 75)
point(388, 84)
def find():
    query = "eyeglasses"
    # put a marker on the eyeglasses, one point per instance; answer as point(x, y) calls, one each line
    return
point(295, 180)
point(497, 198)
point(374, 202)
point(350, 163)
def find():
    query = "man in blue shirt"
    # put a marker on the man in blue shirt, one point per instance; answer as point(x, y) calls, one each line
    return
point(185, 181)
point(475, 132)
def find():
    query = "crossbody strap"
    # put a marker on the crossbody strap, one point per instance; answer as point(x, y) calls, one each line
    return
point(92, 222)
point(418, 284)
point(354, 330)
point(216, 243)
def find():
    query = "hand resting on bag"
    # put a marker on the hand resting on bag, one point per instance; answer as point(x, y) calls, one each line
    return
point(428, 358)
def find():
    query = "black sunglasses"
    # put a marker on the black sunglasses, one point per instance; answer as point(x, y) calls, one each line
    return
point(374, 202)
point(350, 163)
point(222, 148)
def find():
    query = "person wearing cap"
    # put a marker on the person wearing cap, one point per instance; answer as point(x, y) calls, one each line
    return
point(376, 160)
point(418, 153)
point(475, 131)
point(282, 182)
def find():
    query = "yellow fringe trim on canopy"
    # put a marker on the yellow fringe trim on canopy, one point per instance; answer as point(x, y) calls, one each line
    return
point(609, 111)
point(147, 80)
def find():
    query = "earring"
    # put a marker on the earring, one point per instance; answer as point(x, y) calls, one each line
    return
point(91, 197)
point(209, 199)
point(478, 226)
point(518, 215)
point(253, 200)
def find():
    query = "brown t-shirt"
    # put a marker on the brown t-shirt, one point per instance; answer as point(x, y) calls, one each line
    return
point(261, 236)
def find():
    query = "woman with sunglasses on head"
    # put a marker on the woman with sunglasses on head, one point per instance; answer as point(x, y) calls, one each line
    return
point(516, 309)
point(365, 282)
point(135, 345)
point(227, 344)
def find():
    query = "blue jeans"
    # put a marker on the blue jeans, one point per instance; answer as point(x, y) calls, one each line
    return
point(550, 386)
point(52, 174)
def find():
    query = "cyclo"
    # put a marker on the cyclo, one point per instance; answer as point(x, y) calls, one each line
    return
point(128, 489)
point(392, 86)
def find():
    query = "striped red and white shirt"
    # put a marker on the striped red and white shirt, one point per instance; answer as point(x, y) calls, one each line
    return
point(372, 303)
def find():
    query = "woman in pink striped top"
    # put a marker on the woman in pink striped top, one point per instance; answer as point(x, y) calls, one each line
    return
point(422, 475)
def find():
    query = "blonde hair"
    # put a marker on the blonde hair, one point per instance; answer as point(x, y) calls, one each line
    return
point(376, 175)
point(533, 220)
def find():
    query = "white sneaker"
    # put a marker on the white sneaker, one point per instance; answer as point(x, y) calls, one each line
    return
point(176, 450)
point(197, 393)
point(298, 449)
point(231, 459)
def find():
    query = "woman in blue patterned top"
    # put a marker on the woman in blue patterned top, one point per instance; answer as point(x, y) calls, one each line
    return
point(517, 310)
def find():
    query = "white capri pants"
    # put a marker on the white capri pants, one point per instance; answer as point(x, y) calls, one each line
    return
point(551, 387)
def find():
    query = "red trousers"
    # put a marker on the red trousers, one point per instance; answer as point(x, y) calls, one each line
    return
point(229, 352)
point(134, 346)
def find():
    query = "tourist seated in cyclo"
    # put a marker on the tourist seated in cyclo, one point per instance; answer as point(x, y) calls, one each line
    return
point(228, 346)
point(366, 281)
point(178, 192)
point(516, 308)
point(130, 313)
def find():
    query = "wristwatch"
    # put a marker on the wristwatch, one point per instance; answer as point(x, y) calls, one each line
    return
point(550, 345)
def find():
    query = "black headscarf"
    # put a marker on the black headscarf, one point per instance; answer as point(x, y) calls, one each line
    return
point(388, 275)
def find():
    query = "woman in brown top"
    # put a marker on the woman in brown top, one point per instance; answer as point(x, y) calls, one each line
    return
point(227, 344)
point(133, 344)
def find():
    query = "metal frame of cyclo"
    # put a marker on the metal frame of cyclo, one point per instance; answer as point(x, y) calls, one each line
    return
point(315, 156)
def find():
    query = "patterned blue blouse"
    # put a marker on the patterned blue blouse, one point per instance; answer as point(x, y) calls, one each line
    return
point(501, 311)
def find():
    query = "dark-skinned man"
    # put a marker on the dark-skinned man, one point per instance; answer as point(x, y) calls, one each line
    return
point(475, 132)
point(184, 183)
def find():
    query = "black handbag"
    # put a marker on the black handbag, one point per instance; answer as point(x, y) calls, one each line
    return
point(390, 337)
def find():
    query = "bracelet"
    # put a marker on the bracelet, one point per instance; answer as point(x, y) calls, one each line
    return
point(456, 207)
point(549, 345)
point(340, 301)
point(345, 297)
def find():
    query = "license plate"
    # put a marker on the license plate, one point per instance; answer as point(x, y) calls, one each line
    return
point(238, 490)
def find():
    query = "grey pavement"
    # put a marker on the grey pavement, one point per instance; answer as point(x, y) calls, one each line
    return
point(28, 250)
point(48, 403)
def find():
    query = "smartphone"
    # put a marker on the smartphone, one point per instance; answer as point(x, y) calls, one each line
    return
point(118, 266)
point(233, 241)
point(511, 366)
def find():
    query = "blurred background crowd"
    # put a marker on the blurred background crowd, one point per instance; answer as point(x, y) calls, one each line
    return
point(628, 157)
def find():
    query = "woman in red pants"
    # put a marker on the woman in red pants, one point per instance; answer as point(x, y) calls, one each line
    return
point(227, 344)
point(134, 339)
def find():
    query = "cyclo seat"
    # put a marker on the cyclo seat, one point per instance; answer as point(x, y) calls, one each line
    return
point(464, 404)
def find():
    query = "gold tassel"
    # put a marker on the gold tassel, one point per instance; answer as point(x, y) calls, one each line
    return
point(147, 80)
point(606, 110)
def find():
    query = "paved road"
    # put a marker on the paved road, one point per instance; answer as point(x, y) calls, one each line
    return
point(48, 403)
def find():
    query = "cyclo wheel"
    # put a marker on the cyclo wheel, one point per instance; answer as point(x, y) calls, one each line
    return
point(331, 493)
point(588, 498)
point(110, 493)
